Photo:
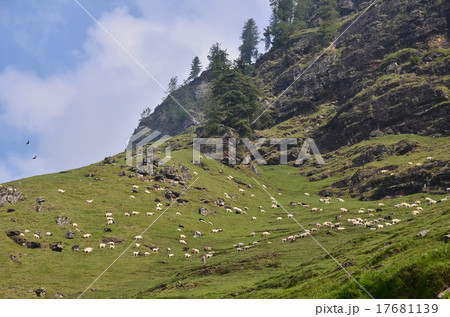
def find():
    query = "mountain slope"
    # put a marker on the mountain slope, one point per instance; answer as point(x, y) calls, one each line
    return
point(384, 261)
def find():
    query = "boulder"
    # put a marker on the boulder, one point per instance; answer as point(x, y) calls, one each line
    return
point(109, 160)
point(203, 211)
point(70, 234)
point(9, 194)
point(220, 202)
point(58, 247)
point(62, 221)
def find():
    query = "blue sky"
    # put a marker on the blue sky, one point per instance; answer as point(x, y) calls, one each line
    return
point(70, 90)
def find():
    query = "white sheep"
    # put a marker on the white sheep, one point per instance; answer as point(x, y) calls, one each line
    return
point(137, 245)
point(108, 214)
point(102, 245)
point(112, 246)
point(159, 205)
point(87, 235)
point(279, 218)
point(147, 253)
point(111, 243)
point(290, 216)
point(61, 191)
point(380, 205)
point(182, 242)
point(195, 251)
point(187, 255)
point(89, 201)
point(274, 206)
point(26, 231)
point(266, 233)
point(138, 237)
point(253, 218)
point(135, 213)
point(48, 234)
point(135, 186)
point(241, 190)
point(110, 222)
point(135, 253)
point(182, 236)
point(37, 236)
point(88, 250)
point(150, 213)
point(127, 214)
point(132, 197)
point(171, 255)
point(177, 214)
point(252, 234)
point(306, 194)
point(158, 208)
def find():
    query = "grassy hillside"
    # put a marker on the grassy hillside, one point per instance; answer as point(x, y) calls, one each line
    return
point(390, 262)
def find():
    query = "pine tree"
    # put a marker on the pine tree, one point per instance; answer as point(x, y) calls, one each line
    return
point(280, 22)
point(173, 84)
point(329, 15)
point(196, 68)
point(250, 39)
point(218, 59)
point(235, 100)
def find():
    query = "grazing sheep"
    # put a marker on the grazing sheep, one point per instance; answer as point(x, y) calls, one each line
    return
point(344, 210)
point(21, 234)
point(137, 245)
point(88, 250)
point(274, 206)
point(147, 192)
point(253, 218)
point(135, 253)
point(108, 214)
point(429, 158)
point(182, 236)
point(112, 246)
point(87, 235)
point(159, 205)
point(195, 251)
point(252, 234)
point(239, 249)
point(110, 222)
point(380, 205)
point(210, 223)
point(306, 194)
point(171, 255)
point(89, 201)
point(380, 226)
point(395, 221)
point(132, 197)
point(147, 253)
point(241, 190)
point(26, 231)
point(177, 214)
point(158, 208)
point(214, 230)
point(182, 242)
point(279, 218)
point(150, 213)
point(37, 236)
point(387, 224)
point(415, 212)
point(284, 240)
point(178, 229)
point(102, 246)
point(135, 186)
point(266, 233)
point(138, 237)
point(228, 210)
point(135, 213)
point(290, 216)
point(197, 234)
point(187, 255)
point(48, 234)
point(341, 200)
point(127, 214)
point(61, 191)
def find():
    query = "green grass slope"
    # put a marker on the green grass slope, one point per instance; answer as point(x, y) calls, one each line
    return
point(389, 263)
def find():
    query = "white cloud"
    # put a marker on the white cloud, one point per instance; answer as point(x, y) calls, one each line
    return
point(85, 114)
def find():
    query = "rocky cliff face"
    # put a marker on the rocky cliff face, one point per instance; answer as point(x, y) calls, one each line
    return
point(388, 74)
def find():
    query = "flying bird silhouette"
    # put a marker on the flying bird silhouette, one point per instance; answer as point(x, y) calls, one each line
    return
point(28, 142)
point(34, 157)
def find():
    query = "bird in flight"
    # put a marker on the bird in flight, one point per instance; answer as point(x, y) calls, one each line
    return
point(34, 157)
point(28, 142)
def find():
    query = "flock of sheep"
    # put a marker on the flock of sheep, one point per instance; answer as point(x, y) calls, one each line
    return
point(365, 218)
